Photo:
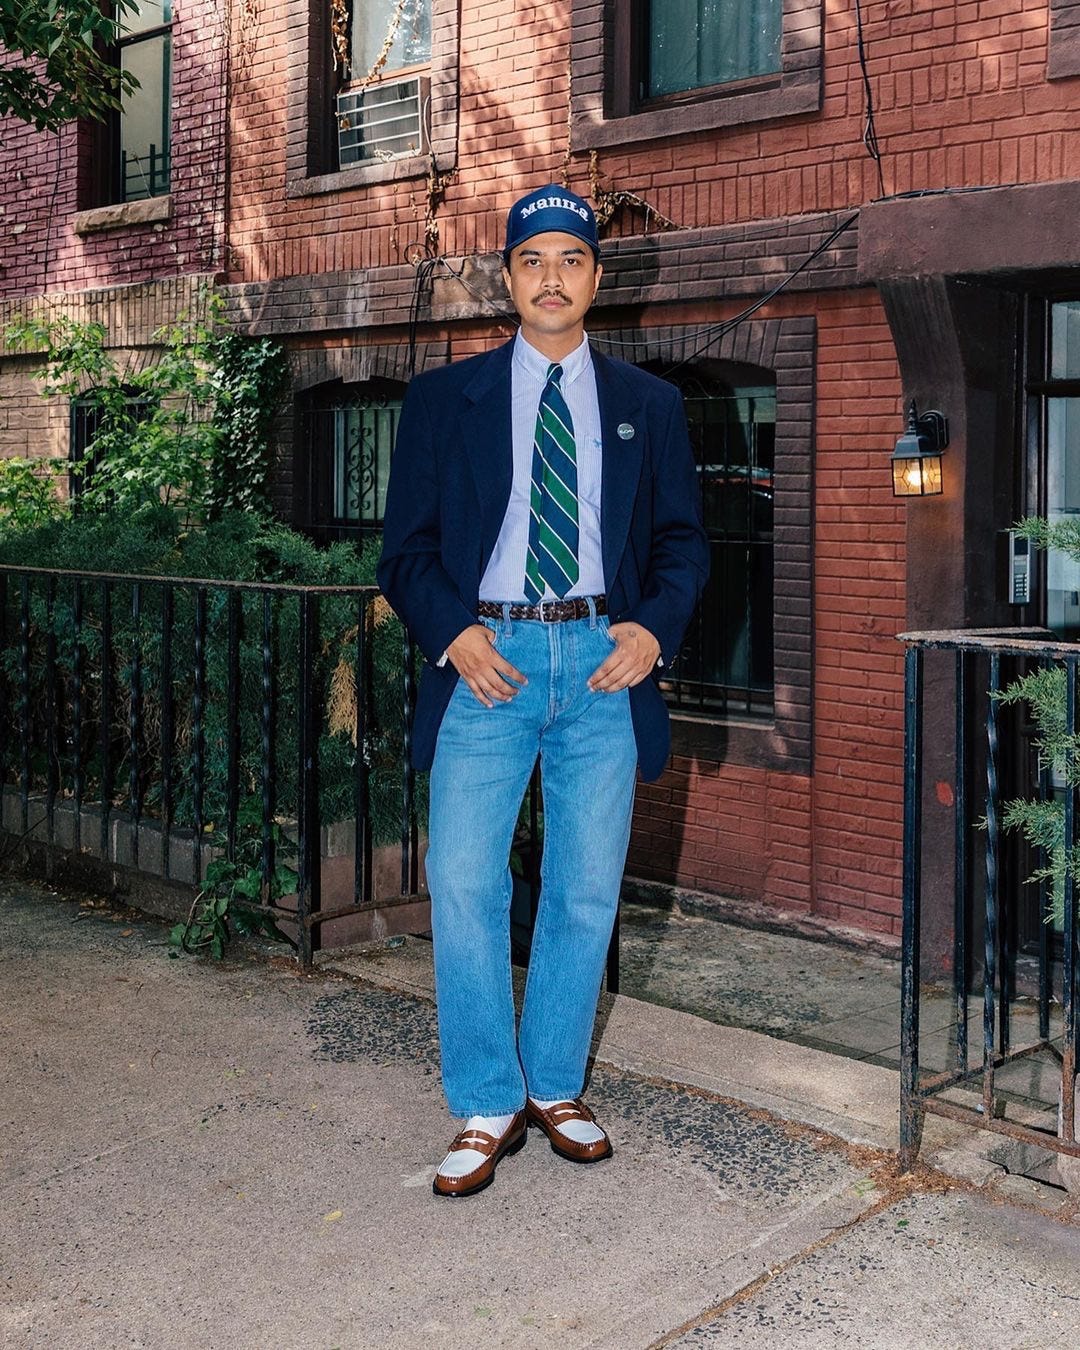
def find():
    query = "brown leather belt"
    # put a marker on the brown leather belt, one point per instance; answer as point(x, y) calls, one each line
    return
point(547, 611)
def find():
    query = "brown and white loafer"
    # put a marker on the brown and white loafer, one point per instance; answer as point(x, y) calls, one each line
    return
point(493, 1149)
point(550, 1118)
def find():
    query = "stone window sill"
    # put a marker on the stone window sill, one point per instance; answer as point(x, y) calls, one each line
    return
point(360, 175)
point(121, 215)
point(801, 94)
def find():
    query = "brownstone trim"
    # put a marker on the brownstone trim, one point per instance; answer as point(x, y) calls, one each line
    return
point(356, 365)
point(717, 263)
point(121, 215)
point(599, 53)
point(309, 123)
point(1011, 232)
point(1063, 50)
point(787, 348)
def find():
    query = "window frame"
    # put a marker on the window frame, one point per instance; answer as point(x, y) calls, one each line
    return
point(606, 54)
point(702, 381)
point(118, 185)
point(331, 399)
point(786, 347)
point(310, 148)
point(1063, 43)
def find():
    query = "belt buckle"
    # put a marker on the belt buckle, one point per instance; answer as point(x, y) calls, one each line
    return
point(543, 609)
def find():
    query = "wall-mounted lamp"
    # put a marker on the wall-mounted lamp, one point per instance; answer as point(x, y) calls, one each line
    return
point(916, 461)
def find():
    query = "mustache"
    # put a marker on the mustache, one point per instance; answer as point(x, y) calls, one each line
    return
point(551, 295)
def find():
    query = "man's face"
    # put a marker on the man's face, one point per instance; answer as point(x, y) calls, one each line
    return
point(552, 279)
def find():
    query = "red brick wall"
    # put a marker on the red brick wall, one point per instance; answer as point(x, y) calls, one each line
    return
point(960, 89)
point(828, 844)
point(962, 101)
point(39, 173)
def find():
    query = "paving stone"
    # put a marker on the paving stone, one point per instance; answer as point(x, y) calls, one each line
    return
point(934, 1271)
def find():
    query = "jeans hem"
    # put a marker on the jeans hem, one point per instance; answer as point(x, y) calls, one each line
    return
point(487, 1111)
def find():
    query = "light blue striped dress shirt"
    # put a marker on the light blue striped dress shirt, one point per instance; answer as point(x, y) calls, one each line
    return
point(504, 578)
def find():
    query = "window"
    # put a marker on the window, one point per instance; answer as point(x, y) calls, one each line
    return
point(691, 44)
point(726, 664)
point(350, 430)
point(142, 130)
point(741, 690)
point(93, 434)
point(372, 92)
point(1053, 465)
point(382, 99)
point(642, 69)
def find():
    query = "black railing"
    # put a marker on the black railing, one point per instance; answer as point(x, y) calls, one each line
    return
point(1028, 1043)
point(149, 721)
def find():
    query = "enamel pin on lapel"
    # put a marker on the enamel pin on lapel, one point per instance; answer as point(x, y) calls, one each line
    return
point(625, 431)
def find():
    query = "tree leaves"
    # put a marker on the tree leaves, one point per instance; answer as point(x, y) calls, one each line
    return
point(65, 71)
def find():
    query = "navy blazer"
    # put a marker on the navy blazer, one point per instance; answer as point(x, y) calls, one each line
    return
point(449, 487)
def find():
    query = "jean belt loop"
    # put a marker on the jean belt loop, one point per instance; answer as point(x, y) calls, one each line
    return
point(592, 610)
point(507, 627)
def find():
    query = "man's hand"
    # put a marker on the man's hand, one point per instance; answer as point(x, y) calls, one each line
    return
point(473, 655)
point(635, 656)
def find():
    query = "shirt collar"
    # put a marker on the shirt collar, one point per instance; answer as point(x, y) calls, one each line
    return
point(536, 364)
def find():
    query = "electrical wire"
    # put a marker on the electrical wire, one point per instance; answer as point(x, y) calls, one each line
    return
point(720, 330)
point(869, 138)
point(713, 332)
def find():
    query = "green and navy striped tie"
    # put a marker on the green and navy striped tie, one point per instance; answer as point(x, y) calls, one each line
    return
point(552, 560)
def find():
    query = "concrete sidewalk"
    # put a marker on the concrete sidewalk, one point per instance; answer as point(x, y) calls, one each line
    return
point(237, 1155)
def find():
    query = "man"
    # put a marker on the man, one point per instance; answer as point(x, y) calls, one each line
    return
point(543, 543)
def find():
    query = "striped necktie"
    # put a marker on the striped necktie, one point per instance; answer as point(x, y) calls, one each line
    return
point(552, 559)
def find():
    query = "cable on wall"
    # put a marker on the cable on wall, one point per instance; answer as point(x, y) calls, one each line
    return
point(869, 138)
point(721, 329)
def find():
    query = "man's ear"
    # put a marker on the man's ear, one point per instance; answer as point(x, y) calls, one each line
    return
point(599, 274)
point(506, 278)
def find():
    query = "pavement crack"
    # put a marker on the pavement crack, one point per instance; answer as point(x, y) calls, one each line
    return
point(896, 1188)
point(88, 1159)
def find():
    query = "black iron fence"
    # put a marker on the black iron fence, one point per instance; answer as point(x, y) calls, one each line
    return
point(1019, 1077)
point(157, 723)
point(152, 721)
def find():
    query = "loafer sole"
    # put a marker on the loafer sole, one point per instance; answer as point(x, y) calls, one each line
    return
point(514, 1147)
point(564, 1153)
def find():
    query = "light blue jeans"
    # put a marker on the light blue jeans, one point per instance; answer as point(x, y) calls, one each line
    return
point(483, 760)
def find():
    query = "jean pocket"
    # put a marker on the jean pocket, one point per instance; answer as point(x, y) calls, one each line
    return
point(604, 626)
point(495, 628)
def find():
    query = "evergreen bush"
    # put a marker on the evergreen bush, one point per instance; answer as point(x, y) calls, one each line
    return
point(152, 542)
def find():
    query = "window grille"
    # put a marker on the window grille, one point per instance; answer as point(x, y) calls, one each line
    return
point(382, 121)
point(350, 431)
point(88, 421)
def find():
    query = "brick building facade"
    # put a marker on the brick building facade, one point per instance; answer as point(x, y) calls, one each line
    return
point(915, 277)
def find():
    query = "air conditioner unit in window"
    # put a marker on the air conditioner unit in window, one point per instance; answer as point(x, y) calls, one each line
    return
point(381, 121)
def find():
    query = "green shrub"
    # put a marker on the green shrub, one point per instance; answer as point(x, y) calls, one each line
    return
point(152, 541)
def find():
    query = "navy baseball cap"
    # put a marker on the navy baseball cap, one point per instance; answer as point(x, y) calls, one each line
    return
point(551, 209)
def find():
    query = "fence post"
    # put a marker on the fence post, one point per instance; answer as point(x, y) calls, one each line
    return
point(910, 1108)
point(308, 885)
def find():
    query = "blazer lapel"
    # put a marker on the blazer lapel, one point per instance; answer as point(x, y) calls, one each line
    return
point(623, 456)
point(488, 437)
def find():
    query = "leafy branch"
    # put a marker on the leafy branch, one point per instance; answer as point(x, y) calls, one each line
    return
point(65, 71)
point(235, 894)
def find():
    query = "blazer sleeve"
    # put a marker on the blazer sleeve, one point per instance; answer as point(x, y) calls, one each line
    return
point(679, 558)
point(411, 572)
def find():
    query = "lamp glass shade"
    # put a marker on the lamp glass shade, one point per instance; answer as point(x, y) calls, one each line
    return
point(916, 475)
